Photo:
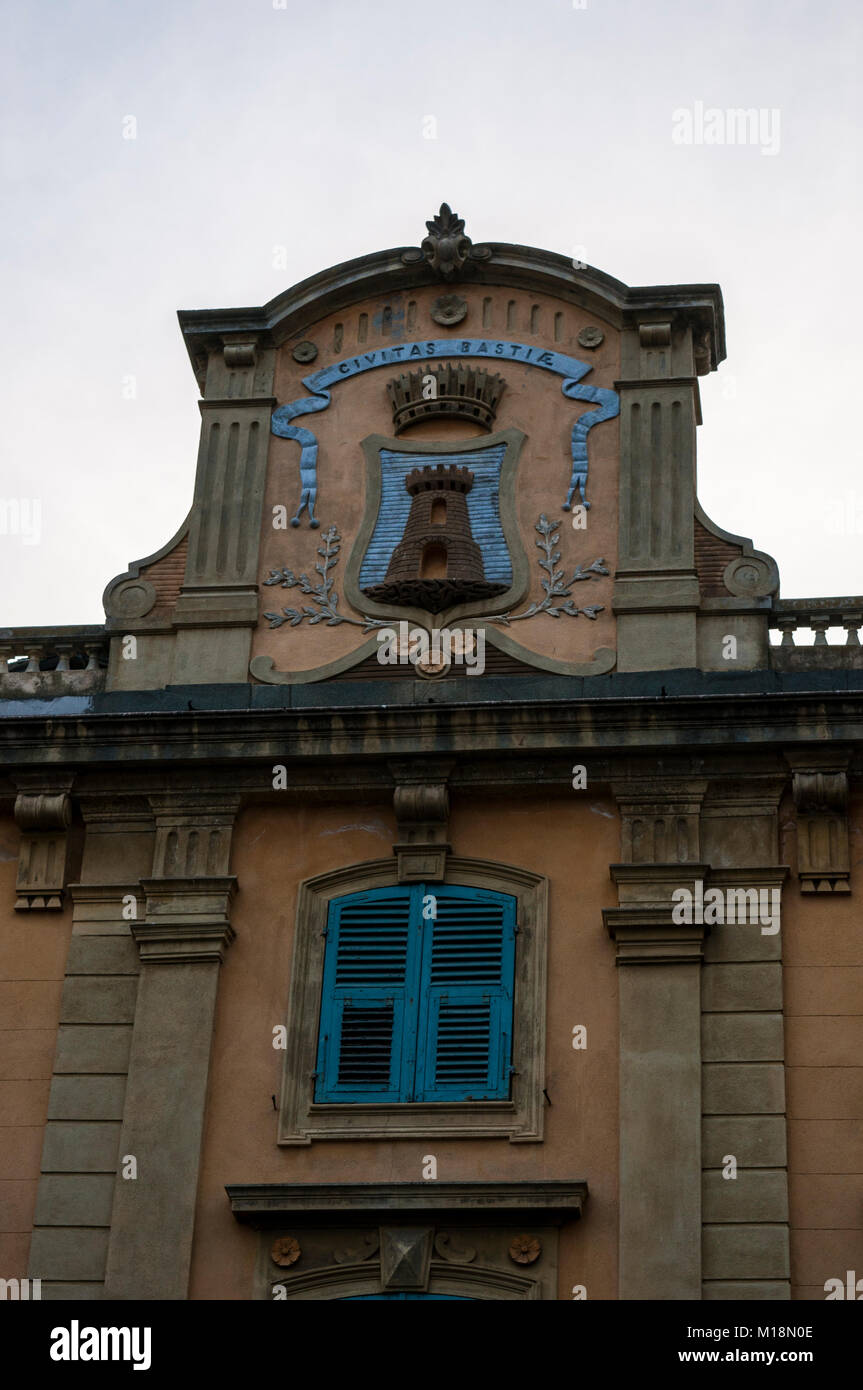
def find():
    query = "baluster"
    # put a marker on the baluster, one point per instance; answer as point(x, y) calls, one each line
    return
point(787, 626)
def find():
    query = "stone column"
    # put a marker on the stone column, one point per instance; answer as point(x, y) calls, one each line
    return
point(660, 1042)
point(181, 942)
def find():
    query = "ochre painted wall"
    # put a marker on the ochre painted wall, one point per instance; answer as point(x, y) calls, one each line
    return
point(33, 950)
point(823, 982)
point(572, 844)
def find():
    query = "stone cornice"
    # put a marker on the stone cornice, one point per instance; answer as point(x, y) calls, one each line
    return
point(749, 876)
point(647, 936)
point(552, 1202)
point(182, 943)
point(662, 876)
point(191, 897)
point(166, 731)
point(185, 806)
point(678, 793)
point(814, 760)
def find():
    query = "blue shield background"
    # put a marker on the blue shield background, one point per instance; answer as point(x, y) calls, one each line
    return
point(483, 505)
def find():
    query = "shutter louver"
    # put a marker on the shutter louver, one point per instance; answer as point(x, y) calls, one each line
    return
point(467, 942)
point(366, 1047)
point(463, 1044)
point(372, 944)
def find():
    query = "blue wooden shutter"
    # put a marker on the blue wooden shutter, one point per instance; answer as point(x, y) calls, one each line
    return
point(366, 1048)
point(466, 996)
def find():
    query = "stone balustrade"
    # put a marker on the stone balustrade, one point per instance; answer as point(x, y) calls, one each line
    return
point(74, 657)
point(817, 615)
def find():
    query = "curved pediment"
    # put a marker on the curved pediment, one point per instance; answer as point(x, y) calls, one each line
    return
point(501, 264)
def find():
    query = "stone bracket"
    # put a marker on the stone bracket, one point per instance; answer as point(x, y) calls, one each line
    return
point(43, 812)
point(820, 787)
point(421, 804)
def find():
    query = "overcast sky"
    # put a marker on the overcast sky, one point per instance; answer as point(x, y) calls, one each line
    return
point(304, 125)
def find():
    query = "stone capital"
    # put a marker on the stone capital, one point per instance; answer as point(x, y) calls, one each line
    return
point(187, 920)
point(648, 936)
point(660, 819)
point(193, 833)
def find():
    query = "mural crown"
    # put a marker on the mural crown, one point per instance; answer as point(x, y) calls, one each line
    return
point(458, 390)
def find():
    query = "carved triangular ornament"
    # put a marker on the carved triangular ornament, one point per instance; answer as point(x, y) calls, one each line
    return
point(405, 1256)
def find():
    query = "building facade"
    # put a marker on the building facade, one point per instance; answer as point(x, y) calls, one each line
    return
point(432, 881)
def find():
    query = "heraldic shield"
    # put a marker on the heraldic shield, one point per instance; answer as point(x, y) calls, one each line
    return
point(439, 533)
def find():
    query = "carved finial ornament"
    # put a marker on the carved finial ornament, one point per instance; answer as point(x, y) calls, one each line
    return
point(446, 248)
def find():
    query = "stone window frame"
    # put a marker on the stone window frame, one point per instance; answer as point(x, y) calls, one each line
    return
point(519, 1119)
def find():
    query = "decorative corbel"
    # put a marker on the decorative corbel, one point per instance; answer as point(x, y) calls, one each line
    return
point(421, 804)
point(820, 786)
point(239, 353)
point(43, 812)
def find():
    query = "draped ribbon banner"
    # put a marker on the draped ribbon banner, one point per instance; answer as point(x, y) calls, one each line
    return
point(320, 383)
